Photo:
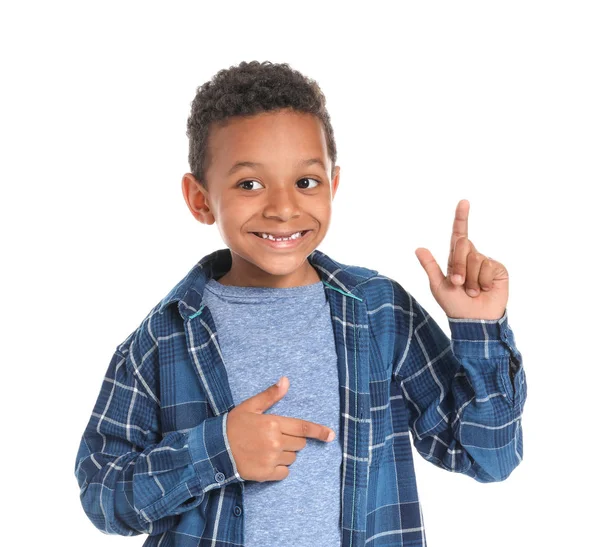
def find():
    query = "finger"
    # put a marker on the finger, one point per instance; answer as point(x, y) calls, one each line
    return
point(486, 275)
point(279, 473)
point(434, 272)
point(303, 428)
point(474, 263)
point(458, 271)
point(287, 458)
point(266, 399)
point(460, 228)
point(289, 442)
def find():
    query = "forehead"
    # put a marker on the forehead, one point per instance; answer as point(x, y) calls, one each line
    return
point(282, 133)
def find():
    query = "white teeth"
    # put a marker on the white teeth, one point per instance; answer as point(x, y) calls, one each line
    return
point(272, 238)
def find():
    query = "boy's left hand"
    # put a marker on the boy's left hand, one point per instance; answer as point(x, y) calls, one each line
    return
point(479, 272)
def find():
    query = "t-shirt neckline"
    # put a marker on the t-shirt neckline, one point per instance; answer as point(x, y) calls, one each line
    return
point(233, 290)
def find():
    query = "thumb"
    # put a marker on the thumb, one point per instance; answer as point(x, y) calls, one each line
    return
point(431, 267)
point(266, 399)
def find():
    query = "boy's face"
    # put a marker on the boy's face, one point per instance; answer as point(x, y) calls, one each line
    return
point(282, 193)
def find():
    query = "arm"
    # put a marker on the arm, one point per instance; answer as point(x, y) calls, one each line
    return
point(464, 396)
point(133, 479)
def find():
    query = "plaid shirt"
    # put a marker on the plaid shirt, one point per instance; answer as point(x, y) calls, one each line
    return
point(155, 457)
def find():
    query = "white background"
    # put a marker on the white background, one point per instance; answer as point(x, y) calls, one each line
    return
point(432, 102)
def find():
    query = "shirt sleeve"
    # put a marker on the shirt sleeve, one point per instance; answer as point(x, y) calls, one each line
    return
point(464, 396)
point(132, 478)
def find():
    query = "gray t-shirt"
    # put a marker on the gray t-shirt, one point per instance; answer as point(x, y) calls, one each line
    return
point(265, 333)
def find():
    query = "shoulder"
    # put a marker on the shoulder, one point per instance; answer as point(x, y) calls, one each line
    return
point(380, 288)
point(141, 349)
point(153, 326)
point(375, 288)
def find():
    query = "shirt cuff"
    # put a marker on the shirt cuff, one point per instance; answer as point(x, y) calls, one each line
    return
point(481, 338)
point(211, 455)
point(212, 466)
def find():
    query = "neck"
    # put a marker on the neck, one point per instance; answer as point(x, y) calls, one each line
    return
point(237, 277)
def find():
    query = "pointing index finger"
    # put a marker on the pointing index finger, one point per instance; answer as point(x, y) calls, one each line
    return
point(303, 428)
point(460, 227)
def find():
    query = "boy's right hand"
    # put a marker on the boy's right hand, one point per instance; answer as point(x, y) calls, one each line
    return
point(263, 445)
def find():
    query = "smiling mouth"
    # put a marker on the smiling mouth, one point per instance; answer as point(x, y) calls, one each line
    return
point(290, 237)
point(289, 241)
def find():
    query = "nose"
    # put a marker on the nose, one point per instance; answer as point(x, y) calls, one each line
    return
point(282, 203)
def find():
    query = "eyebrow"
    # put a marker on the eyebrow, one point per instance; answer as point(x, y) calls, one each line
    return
point(304, 163)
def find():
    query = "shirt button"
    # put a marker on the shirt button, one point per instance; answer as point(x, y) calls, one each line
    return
point(219, 477)
point(237, 510)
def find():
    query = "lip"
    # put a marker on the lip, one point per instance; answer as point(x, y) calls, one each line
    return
point(280, 234)
point(290, 244)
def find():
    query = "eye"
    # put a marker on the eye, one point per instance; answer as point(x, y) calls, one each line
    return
point(307, 178)
point(249, 181)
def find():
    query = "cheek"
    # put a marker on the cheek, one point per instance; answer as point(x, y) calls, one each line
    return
point(233, 212)
point(322, 212)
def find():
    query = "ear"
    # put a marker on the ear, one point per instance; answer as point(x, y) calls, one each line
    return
point(335, 182)
point(196, 197)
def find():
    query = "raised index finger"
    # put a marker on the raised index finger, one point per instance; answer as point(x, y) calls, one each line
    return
point(303, 428)
point(460, 227)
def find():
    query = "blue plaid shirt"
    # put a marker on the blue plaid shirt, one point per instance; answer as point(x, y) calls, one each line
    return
point(155, 458)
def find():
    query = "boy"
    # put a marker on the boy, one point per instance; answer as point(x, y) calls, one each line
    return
point(192, 442)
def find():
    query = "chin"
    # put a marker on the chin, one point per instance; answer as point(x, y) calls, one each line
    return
point(272, 262)
point(280, 266)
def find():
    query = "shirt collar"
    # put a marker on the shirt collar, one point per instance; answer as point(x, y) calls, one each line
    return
point(188, 292)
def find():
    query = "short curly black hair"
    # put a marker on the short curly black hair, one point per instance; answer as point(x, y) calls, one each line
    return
point(247, 89)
